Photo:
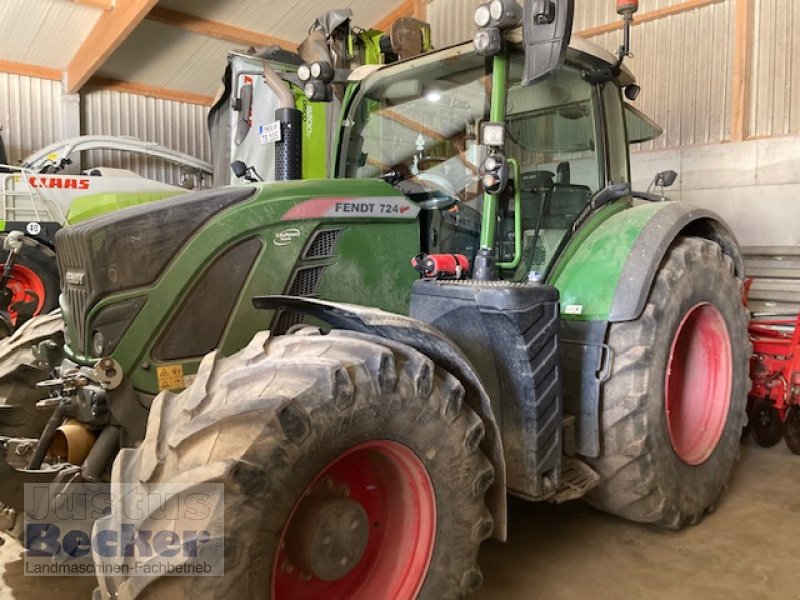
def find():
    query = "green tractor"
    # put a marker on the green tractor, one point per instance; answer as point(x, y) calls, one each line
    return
point(236, 125)
point(557, 337)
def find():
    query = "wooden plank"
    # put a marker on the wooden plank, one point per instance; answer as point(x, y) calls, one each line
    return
point(109, 32)
point(101, 4)
point(421, 10)
point(652, 15)
point(742, 69)
point(215, 29)
point(412, 124)
point(106, 83)
point(406, 9)
point(17, 68)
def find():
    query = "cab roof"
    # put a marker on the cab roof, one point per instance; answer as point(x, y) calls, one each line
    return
point(578, 47)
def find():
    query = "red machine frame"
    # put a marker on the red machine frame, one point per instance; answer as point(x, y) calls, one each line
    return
point(774, 402)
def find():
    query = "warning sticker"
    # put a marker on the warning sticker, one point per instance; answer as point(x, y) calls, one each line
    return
point(170, 377)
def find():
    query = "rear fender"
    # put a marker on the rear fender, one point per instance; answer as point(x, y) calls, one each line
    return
point(676, 219)
point(426, 339)
point(608, 275)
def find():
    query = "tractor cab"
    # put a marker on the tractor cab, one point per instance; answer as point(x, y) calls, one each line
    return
point(422, 126)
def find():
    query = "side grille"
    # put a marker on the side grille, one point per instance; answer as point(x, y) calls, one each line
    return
point(304, 283)
point(323, 245)
point(73, 258)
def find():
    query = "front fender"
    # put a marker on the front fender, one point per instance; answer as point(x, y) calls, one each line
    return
point(609, 276)
point(431, 342)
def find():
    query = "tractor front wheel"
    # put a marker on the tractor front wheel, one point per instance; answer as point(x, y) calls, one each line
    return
point(674, 405)
point(20, 372)
point(34, 284)
point(351, 467)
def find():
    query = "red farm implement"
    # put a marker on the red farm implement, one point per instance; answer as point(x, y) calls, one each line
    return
point(774, 401)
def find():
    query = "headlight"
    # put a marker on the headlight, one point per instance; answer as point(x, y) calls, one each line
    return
point(496, 9)
point(98, 343)
point(482, 16)
point(316, 70)
point(111, 323)
point(304, 73)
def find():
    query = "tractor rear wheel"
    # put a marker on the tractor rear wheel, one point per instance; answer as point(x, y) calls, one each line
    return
point(34, 283)
point(351, 466)
point(674, 405)
point(19, 374)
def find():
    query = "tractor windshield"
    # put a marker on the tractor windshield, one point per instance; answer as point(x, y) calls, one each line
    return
point(421, 123)
point(417, 124)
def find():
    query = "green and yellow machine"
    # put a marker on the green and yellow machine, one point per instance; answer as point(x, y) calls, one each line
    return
point(558, 336)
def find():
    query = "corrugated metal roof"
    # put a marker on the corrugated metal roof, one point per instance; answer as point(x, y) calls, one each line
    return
point(288, 20)
point(167, 57)
point(44, 32)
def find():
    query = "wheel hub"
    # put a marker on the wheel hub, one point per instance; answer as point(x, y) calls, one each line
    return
point(698, 383)
point(363, 528)
point(330, 537)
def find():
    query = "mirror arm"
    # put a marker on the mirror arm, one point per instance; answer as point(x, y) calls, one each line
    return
point(647, 196)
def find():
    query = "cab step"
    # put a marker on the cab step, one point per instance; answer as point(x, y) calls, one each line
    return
point(577, 478)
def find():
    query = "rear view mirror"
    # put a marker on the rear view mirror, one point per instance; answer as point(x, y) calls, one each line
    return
point(547, 26)
point(665, 178)
point(244, 106)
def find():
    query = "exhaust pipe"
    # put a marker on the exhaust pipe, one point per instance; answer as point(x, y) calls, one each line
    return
point(288, 151)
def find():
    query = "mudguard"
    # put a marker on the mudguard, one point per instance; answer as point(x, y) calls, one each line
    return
point(426, 339)
point(676, 218)
point(608, 274)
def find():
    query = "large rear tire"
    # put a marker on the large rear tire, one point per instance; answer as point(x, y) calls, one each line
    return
point(674, 405)
point(20, 372)
point(306, 426)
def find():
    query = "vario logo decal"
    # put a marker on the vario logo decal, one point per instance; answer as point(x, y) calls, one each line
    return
point(285, 237)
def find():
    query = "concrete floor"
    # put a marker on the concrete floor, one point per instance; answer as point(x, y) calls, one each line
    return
point(747, 549)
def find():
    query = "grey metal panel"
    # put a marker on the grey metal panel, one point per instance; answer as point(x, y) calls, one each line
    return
point(776, 278)
point(775, 92)
point(30, 114)
point(177, 125)
point(683, 65)
point(451, 21)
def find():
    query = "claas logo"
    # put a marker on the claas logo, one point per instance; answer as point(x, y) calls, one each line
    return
point(60, 183)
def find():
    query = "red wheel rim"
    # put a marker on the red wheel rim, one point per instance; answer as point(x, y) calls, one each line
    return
point(390, 483)
point(698, 383)
point(23, 281)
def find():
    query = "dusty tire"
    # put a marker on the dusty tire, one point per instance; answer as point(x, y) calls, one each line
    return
point(662, 460)
point(35, 269)
point(20, 372)
point(302, 402)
